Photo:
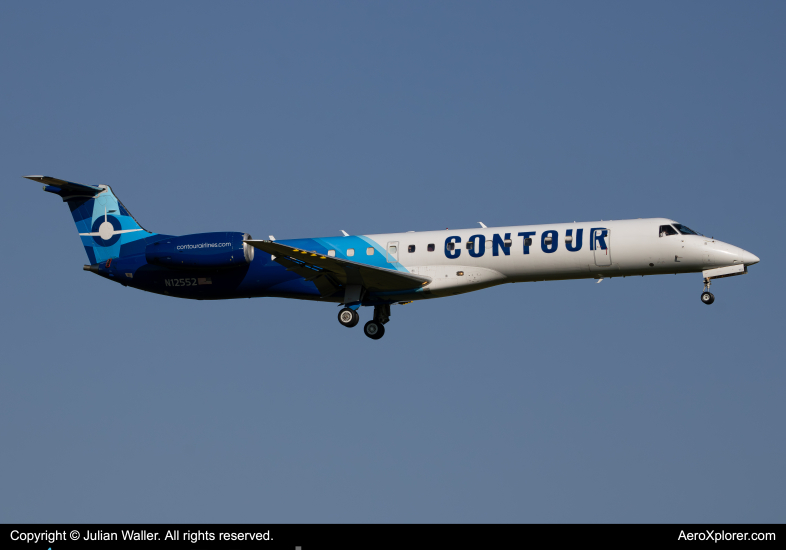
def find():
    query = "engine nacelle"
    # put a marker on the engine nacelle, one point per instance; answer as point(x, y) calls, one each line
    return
point(201, 251)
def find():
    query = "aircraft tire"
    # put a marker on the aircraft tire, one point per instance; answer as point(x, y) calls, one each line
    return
point(348, 317)
point(707, 297)
point(374, 330)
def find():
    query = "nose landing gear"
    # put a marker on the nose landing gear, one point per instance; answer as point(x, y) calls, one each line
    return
point(707, 297)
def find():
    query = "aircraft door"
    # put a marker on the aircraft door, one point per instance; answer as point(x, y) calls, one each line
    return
point(392, 251)
point(602, 245)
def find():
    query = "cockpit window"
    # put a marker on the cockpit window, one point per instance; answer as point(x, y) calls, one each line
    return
point(685, 230)
point(666, 230)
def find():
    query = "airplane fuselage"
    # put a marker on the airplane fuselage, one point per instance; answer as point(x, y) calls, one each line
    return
point(496, 255)
point(381, 270)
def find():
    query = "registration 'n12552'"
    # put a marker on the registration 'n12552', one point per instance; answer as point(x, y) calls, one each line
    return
point(189, 281)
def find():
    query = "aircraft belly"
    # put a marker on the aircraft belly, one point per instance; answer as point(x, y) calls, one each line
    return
point(188, 283)
point(456, 279)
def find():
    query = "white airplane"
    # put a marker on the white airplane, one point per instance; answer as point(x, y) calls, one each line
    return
point(381, 270)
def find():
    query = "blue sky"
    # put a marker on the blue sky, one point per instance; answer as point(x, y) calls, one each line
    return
point(626, 401)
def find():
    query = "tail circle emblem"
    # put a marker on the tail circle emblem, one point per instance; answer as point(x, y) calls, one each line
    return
point(106, 230)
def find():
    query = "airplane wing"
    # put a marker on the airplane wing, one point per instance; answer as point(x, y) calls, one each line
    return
point(69, 187)
point(329, 273)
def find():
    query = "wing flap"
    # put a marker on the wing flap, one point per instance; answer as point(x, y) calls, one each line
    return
point(337, 271)
point(322, 279)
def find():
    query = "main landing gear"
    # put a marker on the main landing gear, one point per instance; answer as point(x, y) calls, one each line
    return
point(348, 317)
point(374, 329)
point(707, 297)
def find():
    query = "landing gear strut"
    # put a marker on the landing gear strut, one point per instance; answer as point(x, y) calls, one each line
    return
point(375, 329)
point(707, 297)
point(348, 317)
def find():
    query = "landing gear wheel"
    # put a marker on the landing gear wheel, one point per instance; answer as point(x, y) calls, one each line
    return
point(348, 317)
point(374, 330)
point(707, 297)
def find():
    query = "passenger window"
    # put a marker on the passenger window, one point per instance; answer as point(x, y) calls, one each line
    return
point(667, 230)
point(370, 250)
point(471, 245)
point(350, 251)
point(430, 248)
point(411, 248)
point(331, 253)
point(460, 273)
point(450, 246)
point(508, 243)
point(527, 242)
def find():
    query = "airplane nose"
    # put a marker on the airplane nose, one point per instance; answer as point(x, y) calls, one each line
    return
point(749, 259)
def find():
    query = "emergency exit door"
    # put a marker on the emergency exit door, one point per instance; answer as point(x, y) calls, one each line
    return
point(392, 251)
point(601, 241)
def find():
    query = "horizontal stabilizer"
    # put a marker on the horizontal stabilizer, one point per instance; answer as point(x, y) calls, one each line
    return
point(314, 266)
point(66, 187)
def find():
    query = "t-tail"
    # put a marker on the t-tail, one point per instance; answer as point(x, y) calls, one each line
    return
point(106, 227)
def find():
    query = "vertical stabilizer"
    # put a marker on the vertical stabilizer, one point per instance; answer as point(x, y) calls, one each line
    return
point(106, 227)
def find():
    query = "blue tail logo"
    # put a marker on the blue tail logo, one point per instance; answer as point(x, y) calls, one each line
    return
point(106, 227)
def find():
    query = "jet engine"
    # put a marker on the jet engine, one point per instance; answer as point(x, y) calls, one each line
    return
point(201, 251)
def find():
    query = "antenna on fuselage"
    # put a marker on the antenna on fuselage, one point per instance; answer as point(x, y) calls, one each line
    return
point(483, 225)
point(345, 233)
